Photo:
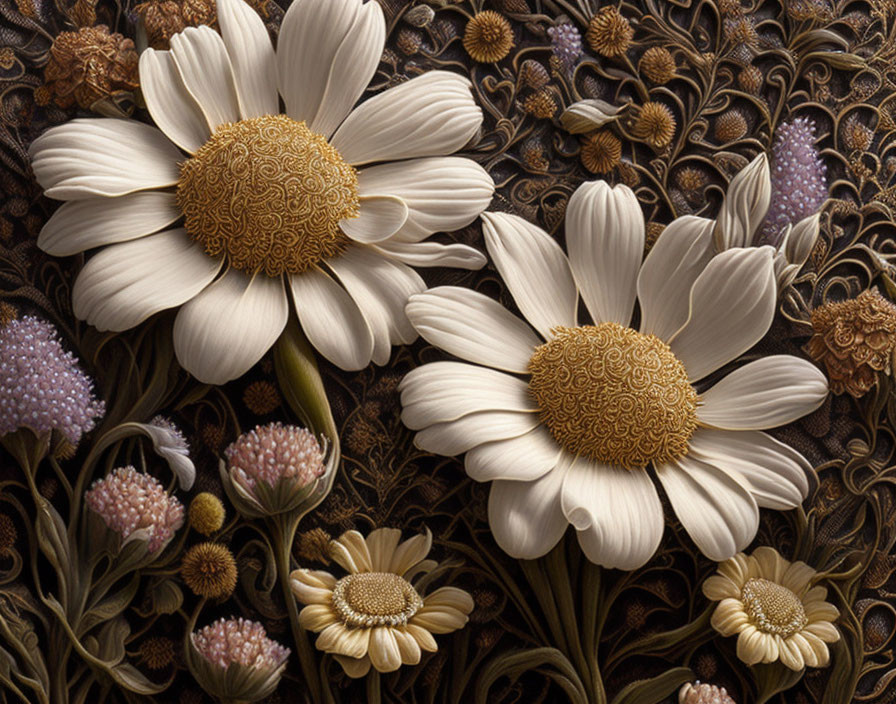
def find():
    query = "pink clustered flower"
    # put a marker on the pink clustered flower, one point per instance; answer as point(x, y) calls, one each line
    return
point(41, 386)
point(698, 693)
point(273, 452)
point(239, 641)
point(128, 500)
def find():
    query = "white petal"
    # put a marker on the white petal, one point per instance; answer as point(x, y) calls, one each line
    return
point(310, 36)
point(777, 473)
point(617, 513)
point(667, 275)
point(103, 157)
point(473, 327)
point(227, 328)
point(379, 218)
point(251, 56)
point(715, 507)
point(331, 320)
point(429, 254)
point(525, 517)
point(443, 391)
point(457, 436)
point(766, 393)
point(205, 70)
point(84, 224)
point(732, 306)
point(352, 68)
point(168, 101)
point(170, 445)
point(443, 193)
point(381, 289)
point(801, 240)
point(745, 206)
point(523, 458)
point(430, 115)
point(605, 242)
point(124, 284)
point(535, 270)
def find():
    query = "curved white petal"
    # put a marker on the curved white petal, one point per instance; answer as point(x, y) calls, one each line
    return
point(124, 284)
point(766, 393)
point(352, 68)
point(457, 436)
point(445, 391)
point(443, 193)
point(668, 273)
point(778, 474)
point(535, 270)
point(91, 157)
point(380, 288)
point(168, 101)
point(206, 72)
point(715, 507)
point(315, 59)
point(227, 328)
point(617, 513)
point(430, 115)
point(84, 224)
point(429, 254)
point(732, 306)
point(331, 320)
point(525, 517)
point(745, 205)
point(379, 218)
point(473, 327)
point(605, 242)
point(251, 56)
point(524, 458)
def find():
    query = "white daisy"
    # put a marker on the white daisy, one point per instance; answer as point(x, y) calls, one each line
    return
point(227, 204)
point(565, 419)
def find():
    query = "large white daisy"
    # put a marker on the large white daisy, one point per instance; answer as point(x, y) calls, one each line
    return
point(565, 418)
point(227, 205)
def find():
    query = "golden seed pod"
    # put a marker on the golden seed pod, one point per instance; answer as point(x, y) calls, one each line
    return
point(601, 152)
point(750, 80)
point(157, 653)
point(540, 105)
point(488, 37)
point(730, 126)
point(609, 33)
point(655, 124)
point(261, 397)
point(209, 570)
point(206, 513)
point(658, 65)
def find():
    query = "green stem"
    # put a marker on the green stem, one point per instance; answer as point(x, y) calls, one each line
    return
point(284, 531)
point(374, 689)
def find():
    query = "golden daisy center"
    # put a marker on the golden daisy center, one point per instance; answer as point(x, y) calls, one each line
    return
point(613, 395)
point(772, 608)
point(375, 599)
point(268, 193)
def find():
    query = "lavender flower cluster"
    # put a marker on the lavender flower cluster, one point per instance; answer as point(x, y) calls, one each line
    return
point(274, 451)
point(566, 44)
point(41, 386)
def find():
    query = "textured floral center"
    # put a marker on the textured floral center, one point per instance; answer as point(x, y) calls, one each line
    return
point(269, 194)
point(614, 395)
point(773, 608)
point(375, 599)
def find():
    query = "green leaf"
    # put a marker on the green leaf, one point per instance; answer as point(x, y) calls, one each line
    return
point(655, 689)
point(110, 607)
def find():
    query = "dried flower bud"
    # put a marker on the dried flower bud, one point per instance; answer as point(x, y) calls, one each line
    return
point(854, 340)
point(488, 37)
point(89, 65)
point(609, 32)
point(157, 653)
point(209, 570)
point(162, 19)
point(206, 513)
point(750, 80)
point(730, 126)
point(601, 152)
point(655, 125)
point(533, 74)
point(261, 397)
point(657, 65)
point(540, 105)
point(856, 134)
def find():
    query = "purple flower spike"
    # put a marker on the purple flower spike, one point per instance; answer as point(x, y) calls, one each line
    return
point(799, 188)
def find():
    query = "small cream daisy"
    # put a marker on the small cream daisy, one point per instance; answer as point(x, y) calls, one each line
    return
point(264, 187)
point(375, 615)
point(772, 607)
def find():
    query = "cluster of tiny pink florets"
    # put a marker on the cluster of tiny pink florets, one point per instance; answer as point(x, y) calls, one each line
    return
point(128, 500)
point(41, 386)
point(239, 641)
point(274, 451)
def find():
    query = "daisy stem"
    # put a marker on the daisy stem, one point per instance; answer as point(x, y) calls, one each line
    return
point(284, 529)
point(374, 692)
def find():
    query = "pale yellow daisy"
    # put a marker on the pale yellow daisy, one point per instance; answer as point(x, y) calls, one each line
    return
point(375, 615)
point(772, 607)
